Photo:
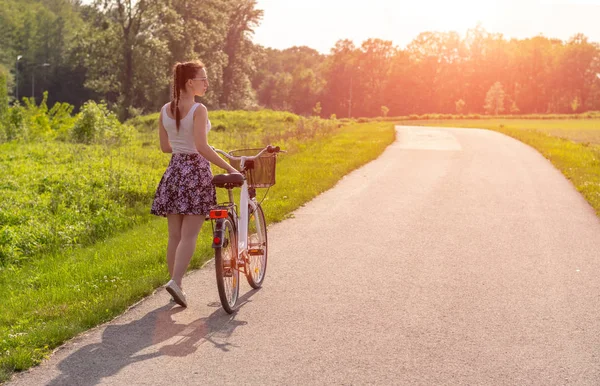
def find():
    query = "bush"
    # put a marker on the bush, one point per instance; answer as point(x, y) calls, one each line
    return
point(14, 127)
point(460, 106)
point(145, 123)
point(384, 111)
point(3, 96)
point(30, 122)
point(96, 124)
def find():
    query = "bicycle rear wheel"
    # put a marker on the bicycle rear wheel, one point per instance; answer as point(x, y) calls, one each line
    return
point(257, 247)
point(226, 268)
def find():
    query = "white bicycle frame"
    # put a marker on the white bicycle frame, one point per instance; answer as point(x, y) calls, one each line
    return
point(242, 221)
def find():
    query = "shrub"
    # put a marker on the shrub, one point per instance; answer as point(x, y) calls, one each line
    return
point(14, 127)
point(3, 96)
point(385, 110)
point(96, 124)
point(317, 109)
point(514, 109)
point(460, 106)
point(494, 99)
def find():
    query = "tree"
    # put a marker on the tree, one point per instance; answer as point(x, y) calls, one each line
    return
point(575, 104)
point(494, 99)
point(305, 91)
point(304, 66)
point(317, 109)
point(460, 106)
point(514, 109)
point(3, 94)
point(128, 16)
point(338, 72)
point(370, 76)
point(123, 51)
point(196, 30)
point(239, 47)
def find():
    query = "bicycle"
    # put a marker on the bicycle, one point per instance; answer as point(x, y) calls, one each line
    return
point(240, 242)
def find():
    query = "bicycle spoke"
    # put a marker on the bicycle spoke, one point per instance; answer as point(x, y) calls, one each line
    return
point(226, 268)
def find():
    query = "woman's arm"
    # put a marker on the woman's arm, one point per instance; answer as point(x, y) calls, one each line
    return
point(200, 120)
point(165, 146)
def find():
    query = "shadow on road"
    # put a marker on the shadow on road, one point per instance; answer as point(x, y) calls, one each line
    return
point(125, 344)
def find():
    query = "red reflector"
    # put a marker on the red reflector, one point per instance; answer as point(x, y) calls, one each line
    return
point(217, 240)
point(218, 213)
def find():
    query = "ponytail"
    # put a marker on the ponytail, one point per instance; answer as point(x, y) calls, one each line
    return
point(182, 72)
point(176, 93)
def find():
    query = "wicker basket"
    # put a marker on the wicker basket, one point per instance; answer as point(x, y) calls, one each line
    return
point(262, 175)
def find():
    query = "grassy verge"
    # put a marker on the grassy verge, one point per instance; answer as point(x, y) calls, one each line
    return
point(573, 146)
point(476, 117)
point(56, 195)
point(53, 298)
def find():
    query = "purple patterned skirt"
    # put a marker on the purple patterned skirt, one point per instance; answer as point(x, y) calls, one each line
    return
point(186, 187)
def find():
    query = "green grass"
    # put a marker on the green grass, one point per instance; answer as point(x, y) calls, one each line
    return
point(582, 131)
point(56, 195)
point(52, 298)
point(573, 146)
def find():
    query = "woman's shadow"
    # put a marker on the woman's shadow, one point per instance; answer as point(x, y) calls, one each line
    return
point(121, 343)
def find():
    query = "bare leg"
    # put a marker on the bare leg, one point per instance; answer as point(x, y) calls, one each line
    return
point(174, 222)
point(190, 228)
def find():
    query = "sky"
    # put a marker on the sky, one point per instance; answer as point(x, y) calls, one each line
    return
point(320, 23)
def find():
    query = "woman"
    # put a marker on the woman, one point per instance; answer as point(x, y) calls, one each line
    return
point(185, 193)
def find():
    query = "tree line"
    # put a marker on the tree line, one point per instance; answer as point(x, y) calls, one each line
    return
point(122, 52)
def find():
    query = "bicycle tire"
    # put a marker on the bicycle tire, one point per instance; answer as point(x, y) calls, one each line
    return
point(256, 267)
point(228, 275)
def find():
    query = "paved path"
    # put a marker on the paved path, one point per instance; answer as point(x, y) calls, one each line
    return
point(457, 257)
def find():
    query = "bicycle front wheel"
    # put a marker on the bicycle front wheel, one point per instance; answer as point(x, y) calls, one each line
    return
point(226, 268)
point(257, 247)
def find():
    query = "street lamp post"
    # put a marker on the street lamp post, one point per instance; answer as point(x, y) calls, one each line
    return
point(33, 77)
point(350, 100)
point(17, 77)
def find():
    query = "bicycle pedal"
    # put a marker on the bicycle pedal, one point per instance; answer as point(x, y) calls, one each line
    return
point(256, 252)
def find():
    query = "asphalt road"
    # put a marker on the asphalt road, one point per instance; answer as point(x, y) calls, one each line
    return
point(459, 256)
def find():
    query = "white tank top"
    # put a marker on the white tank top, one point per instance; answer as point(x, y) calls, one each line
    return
point(182, 141)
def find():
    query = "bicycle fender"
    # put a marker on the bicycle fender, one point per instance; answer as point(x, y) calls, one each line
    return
point(218, 234)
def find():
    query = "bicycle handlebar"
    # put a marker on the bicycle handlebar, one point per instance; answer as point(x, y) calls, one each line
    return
point(269, 149)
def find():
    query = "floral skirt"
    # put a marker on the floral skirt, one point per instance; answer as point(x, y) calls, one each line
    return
point(186, 187)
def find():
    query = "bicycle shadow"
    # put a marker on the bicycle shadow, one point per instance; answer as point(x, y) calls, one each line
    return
point(120, 343)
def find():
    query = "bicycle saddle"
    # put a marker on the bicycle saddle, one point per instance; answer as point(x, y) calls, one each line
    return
point(223, 180)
